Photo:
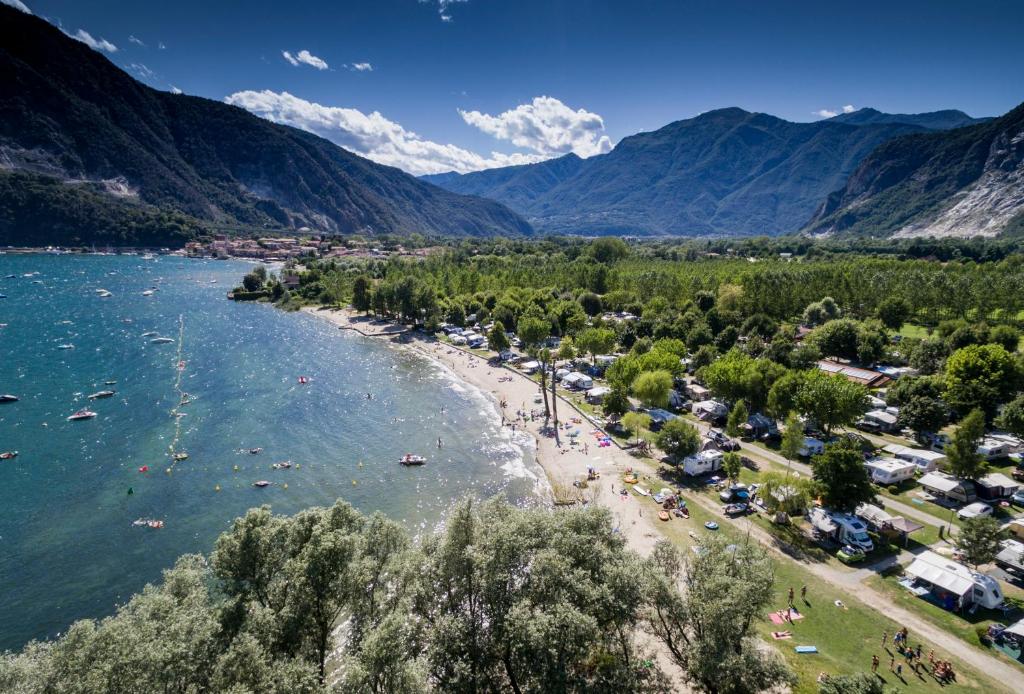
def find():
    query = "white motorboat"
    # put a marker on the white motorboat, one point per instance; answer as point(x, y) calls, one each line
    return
point(81, 414)
point(161, 340)
point(411, 459)
point(102, 394)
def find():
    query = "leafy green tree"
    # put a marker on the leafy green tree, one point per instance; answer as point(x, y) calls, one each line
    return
point(830, 400)
point(1012, 417)
point(678, 438)
point(843, 480)
point(497, 339)
point(596, 341)
point(708, 627)
point(1007, 336)
point(608, 249)
point(894, 312)
point(962, 449)
point(362, 291)
point(784, 494)
point(732, 463)
point(822, 311)
point(653, 387)
point(591, 303)
point(857, 683)
point(837, 338)
point(616, 402)
point(929, 355)
point(457, 315)
point(636, 423)
point(980, 376)
point(759, 324)
point(533, 331)
point(923, 414)
point(738, 376)
point(980, 540)
point(782, 397)
point(704, 356)
point(252, 282)
point(738, 416)
point(792, 437)
point(567, 349)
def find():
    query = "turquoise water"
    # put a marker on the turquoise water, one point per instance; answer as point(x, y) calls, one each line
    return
point(68, 548)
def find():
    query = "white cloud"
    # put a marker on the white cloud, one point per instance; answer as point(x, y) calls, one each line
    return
point(360, 67)
point(97, 45)
point(140, 70)
point(136, 41)
point(17, 4)
point(848, 108)
point(304, 57)
point(547, 126)
point(825, 113)
point(442, 7)
point(175, 90)
point(371, 135)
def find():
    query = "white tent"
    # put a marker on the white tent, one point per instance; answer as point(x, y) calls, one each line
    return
point(939, 482)
point(941, 572)
point(1017, 628)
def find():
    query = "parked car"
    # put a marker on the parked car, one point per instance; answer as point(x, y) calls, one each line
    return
point(1018, 498)
point(737, 492)
point(974, 510)
point(850, 554)
point(736, 509)
point(723, 441)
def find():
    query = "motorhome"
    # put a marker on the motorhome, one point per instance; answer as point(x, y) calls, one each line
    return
point(888, 471)
point(842, 528)
point(702, 463)
point(951, 584)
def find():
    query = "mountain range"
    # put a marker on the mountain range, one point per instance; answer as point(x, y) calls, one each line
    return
point(723, 172)
point(964, 182)
point(87, 153)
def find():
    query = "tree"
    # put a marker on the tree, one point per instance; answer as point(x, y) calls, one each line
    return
point(608, 249)
point(841, 477)
point(252, 282)
point(980, 540)
point(737, 418)
point(1012, 417)
point(962, 449)
point(893, 312)
point(830, 400)
point(653, 387)
point(567, 349)
point(929, 356)
point(497, 339)
point(596, 341)
point(732, 463)
point(636, 423)
point(821, 311)
point(708, 627)
point(616, 402)
point(837, 338)
point(533, 331)
point(980, 376)
point(591, 303)
point(923, 414)
point(362, 293)
point(678, 438)
point(857, 683)
point(1007, 336)
point(792, 437)
point(784, 494)
point(782, 397)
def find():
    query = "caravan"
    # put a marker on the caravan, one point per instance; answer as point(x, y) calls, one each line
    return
point(842, 528)
point(951, 584)
point(702, 463)
point(886, 471)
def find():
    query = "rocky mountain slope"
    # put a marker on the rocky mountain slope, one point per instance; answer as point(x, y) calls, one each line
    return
point(964, 182)
point(726, 171)
point(70, 116)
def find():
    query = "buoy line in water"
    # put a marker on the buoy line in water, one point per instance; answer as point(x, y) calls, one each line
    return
point(179, 366)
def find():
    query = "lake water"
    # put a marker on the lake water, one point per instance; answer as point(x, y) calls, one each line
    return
point(68, 546)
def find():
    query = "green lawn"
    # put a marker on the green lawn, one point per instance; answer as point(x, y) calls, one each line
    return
point(965, 627)
point(845, 638)
point(914, 331)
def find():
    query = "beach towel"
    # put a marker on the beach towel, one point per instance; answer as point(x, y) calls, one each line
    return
point(780, 619)
point(781, 635)
point(806, 649)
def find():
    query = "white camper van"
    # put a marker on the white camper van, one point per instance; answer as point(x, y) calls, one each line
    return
point(842, 528)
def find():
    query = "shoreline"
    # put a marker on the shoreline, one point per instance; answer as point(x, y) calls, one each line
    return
point(562, 465)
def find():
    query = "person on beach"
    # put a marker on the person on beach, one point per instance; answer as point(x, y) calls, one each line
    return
point(885, 637)
point(874, 663)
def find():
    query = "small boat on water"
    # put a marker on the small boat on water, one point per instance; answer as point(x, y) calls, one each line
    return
point(8, 455)
point(148, 292)
point(254, 451)
point(104, 293)
point(151, 333)
point(110, 382)
point(283, 465)
point(411, 459)
point(8, 398)
point(101, 394)
point(67, 346)
point(3, 296)
point(261, 483)
point(81, 414)
point(181, 456)
point(11, 277)
point(161, 340)
point(148, 523)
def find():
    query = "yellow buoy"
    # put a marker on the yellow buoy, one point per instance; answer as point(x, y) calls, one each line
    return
point(353, 483)
point(236, 468)
point(298, 465)
point(217, 488)
point(285, 485)
point(360, 463)
point(168, 471)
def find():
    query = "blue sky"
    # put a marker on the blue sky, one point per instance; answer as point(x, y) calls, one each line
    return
point(432, 85)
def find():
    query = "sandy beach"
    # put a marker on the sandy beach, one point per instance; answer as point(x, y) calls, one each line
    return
point(514, 392)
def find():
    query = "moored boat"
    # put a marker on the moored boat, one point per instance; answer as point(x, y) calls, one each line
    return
point(261, 484)
point(8, 398)
point(101, 394)
point(8, 455)
point(181, 456)
point(81, 414)
point(411, 459)
point(283, 465)
point(161, 340)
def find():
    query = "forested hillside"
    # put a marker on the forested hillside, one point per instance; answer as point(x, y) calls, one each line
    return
point(68, 113)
